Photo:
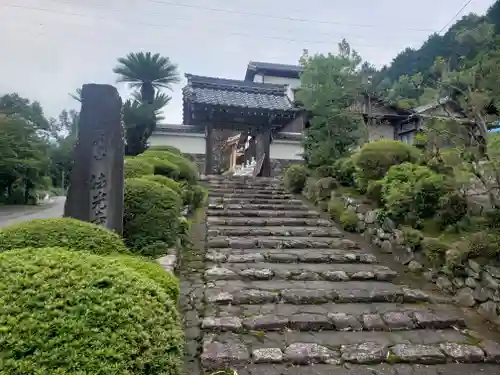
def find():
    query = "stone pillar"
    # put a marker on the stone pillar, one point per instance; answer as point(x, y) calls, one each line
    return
point(95, 193)
point(209, 140)
point(266, 148)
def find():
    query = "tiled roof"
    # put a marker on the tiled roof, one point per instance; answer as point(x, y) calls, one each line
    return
point(273, 69)
point(234, 93)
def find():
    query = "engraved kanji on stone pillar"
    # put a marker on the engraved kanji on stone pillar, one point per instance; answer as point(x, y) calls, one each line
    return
point(95, 193)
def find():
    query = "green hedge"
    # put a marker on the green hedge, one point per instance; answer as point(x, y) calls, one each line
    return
point(295, 177)
point(165, 181)
point(162, 167)
point(171, 149)
point(75, 313)
point(187, 169)
point(153, 271)
point(67, 232)
point(151, 214)
point(135, 167)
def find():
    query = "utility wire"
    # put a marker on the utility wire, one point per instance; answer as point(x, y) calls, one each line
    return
point(467, 3)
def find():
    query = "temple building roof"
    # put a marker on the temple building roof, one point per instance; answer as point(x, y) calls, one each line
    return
point(272, 69)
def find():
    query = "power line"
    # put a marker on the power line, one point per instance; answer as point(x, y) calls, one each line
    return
point(241, 34)
point(220, 10)
point(467, 3)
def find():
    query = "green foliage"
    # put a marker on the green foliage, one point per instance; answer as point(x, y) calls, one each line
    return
point(135, 167)
point(295, 177)
point(330, 84)
point(165, 181)
point(336, 208)
point(197, 195)
point(89, 315)
point(452, 208)
point(325, 171)
point(162, 167)
point(310, 190)
point(434, 250)
point(343, 171)
point(156, 249)
point(412, 238)
point(152, 270)
point(151, 212)
point(375, 158)
point(349, 220)
point(172, 149)
point(324, 187)
point(411, 191)
point(374, 191)
point(188, 171)
point(71, 233)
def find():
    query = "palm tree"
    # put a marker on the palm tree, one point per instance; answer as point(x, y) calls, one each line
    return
point(147, 72)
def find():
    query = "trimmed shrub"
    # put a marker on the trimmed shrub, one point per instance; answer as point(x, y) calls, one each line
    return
point(75, 313)
point(67, 232)
point(375, 158)
point(295, 177)
point(452, 209)
point(434, 250)
point(310, 189)
point(165, 181)
point(200, 195)
point(344, 171)
point(325, 171)
point(349, 220)
point(412, 238)
point(374, 191)
point(411, 191)
point(135, 167)
point(151, 212)
point(153, 271)
point(163, 167)
point(188, 171)
point(324, 187)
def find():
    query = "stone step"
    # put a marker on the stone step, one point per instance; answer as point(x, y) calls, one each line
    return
point(262, 206)
point(268, 221)
point(238, 185)
point(239, 179)
point(263, 213)
point(426, 347)
point(274, 231)
point(394, 320)
point(289, 256)
point(271, 192)
point(302, 272)
point(282, 196)
point(275, 242)
point(237, 292)
point(252, 200)
point(370, 369)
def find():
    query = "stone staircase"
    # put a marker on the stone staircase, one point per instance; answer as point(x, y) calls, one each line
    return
point(286, 293)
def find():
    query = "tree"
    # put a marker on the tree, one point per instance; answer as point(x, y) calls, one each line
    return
point(330, 85)
point(147, 72)
point(140, 120)
point(77, 95)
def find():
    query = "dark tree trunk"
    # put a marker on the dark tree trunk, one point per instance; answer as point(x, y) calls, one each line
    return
point(147, 93)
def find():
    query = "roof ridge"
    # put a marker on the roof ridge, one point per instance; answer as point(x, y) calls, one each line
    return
point(196, 80)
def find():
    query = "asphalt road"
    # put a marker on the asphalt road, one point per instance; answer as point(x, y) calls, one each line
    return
point(16, 214)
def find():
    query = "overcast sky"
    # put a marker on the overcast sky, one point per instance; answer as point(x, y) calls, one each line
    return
point(51, 47)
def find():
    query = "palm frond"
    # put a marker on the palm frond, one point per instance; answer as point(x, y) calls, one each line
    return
point(77, 95)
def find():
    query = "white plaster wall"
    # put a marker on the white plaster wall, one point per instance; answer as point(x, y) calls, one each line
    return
point(290, 150)
point(292, 83)
point(382, 131)
point(187, 143)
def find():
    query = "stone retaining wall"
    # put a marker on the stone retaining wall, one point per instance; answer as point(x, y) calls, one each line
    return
point(479, 289)
point(278, 166)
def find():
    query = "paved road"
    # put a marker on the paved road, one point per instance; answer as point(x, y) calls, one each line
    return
point(15, 214)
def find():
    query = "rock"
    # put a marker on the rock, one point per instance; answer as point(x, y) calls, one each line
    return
point(310, 322)
point(257, 274)
point(493, 271)
point(267, 355)
point(226, 323)
point(365, 353)
point(470, 273)
point(363, 275)
point(335, 275)
point(488, 310)
point(462, 353)
point(429, 320)
point(388, 225)
point(398, 320)
point(424, 354)
point(492, 350)
point(444, 284)
point(470, 282)
point(309, 353)
point(370, 217)
point(373, 322)
point(216, 354)
point(465, 298)
point(403, 255)
point(265, 323)
point(345, 322)
point(386, 246)
point(414, 266)
point(430, 275)
point(219, 273)
point(361, 226)
point(458, 282)
point(255, 296)
point(489, 281)
point(246, 258)
point(482, 294)
point(474, 266)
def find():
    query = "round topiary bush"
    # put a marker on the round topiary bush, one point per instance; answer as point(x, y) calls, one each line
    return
point(67, 232)
point(153, 271)
point(163, 167)
point(151, 212)
point(375, 158)
point(187, 169)
point(73, 313)
point(295, 177)
point(165, 181)
point(171, 149)
point(136, 167)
